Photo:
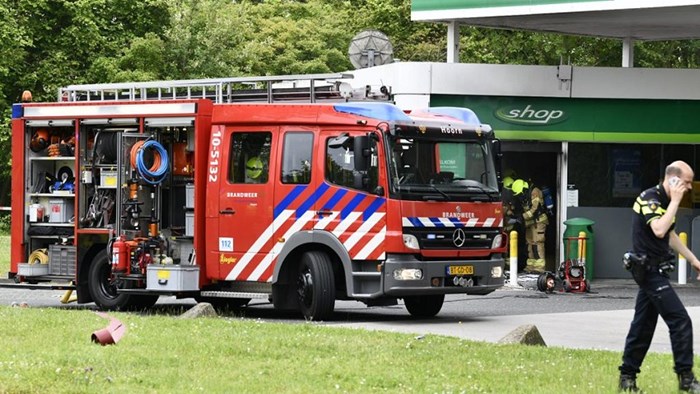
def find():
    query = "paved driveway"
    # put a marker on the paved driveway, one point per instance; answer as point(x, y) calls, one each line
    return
point(596, 320)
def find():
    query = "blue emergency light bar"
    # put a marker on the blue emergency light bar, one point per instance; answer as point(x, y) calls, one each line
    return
point(381, 111)
point(17, 111)
point(464, 114)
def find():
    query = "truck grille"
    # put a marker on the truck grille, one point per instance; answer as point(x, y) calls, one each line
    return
point(445, 238)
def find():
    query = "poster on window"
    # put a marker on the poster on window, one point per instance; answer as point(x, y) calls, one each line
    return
point(626, 164)
point(453, 159)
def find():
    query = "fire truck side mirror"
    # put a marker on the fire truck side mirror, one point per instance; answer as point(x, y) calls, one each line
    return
point(498, 156)
point(362, 152)
point(496, 147)
point(360, 181)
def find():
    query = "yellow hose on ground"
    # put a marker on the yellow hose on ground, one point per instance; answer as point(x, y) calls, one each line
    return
point(68, 296)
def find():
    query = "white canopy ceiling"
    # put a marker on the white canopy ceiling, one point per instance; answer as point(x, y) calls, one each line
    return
point(638, 20)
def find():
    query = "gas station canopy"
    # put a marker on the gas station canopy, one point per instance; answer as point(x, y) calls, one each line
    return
point(624, 19)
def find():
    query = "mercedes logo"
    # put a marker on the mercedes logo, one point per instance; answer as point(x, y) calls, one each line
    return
point(458, 237)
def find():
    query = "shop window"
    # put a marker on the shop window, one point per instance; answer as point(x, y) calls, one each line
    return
point(612, 175)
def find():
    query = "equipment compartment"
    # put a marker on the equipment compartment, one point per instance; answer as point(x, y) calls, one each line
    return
point(62, 260)
point(172, 277)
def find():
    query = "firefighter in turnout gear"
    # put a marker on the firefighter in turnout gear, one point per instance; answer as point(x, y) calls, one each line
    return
point(536, 221)
point(508, 204)
point(514, 205)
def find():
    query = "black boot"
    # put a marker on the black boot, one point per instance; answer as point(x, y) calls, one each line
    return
point(687, 382)
point(628, 383)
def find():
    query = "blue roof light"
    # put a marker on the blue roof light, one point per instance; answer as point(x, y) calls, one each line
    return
point(380, 111)
point(17, 111)
point(464, 114)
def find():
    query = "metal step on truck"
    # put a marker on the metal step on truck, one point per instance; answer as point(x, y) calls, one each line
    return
point(300, 190)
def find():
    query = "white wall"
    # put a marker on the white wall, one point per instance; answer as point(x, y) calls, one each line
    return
point(417, 79)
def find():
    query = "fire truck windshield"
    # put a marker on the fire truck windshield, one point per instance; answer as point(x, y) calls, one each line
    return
point(445, 170)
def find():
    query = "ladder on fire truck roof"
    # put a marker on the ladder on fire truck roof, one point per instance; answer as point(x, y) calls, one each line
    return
point(269, 89)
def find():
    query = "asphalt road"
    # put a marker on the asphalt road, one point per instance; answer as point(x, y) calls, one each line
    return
point(596, 320)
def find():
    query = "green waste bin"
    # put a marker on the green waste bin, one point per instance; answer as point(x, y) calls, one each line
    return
point(573, 227)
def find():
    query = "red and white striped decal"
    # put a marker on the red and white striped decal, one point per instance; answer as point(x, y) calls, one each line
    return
point(450, 222)
point(362, 237)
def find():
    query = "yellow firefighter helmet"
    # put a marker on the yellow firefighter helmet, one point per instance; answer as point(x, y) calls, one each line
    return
point(254, 167)
point(519, 186)
point(507, 182)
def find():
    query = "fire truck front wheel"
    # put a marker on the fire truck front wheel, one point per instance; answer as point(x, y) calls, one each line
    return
point(424, 305)
point(315, 286)
point(102, 290)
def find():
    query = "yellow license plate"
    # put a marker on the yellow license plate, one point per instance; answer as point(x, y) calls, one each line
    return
point(457, 270)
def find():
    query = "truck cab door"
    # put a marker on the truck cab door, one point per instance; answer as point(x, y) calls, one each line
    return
point(354, 207)
point(245, 201)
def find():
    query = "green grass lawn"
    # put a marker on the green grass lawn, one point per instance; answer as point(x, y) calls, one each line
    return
point(50, 350)
point(4, 255)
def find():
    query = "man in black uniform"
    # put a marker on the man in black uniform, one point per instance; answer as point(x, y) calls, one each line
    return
point(652, 234)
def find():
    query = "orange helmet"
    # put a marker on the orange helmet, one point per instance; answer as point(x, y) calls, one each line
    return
point(40, 140)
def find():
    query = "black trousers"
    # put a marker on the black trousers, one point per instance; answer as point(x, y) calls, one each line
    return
point(657, 297)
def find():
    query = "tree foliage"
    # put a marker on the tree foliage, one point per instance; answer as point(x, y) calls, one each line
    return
point(214, 38)
point(50, 43)
point(46, 44)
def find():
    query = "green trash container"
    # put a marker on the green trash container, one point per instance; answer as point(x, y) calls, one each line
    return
point(573, 227)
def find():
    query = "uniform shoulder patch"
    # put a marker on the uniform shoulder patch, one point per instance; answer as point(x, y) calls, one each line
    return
point(653, 205)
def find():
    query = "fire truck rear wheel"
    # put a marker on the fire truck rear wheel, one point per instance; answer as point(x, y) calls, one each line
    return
point(103, 292)
point(315, 286)
point(425, 305)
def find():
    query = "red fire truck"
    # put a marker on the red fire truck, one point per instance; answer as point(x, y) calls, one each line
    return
point(298, 190)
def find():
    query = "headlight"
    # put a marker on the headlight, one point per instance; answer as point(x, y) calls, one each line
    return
point(408, 274)
point(497, 240)
point(496, 271)
point(410, 241)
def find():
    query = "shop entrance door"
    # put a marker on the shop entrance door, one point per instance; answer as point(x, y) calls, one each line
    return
point(539, 162)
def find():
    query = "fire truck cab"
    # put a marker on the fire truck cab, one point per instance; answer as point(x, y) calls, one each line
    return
point(198, 189)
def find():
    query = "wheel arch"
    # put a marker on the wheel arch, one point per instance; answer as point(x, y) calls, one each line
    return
point(284, 272)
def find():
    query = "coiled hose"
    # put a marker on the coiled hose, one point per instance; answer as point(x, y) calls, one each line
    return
point(39, 256)
point(159, 169)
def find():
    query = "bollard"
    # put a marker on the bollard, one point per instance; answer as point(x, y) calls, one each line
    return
point(513, 258)
point(582, 248)
point(682, 262)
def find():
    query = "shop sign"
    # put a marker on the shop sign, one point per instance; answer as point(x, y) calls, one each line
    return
point(530, 115)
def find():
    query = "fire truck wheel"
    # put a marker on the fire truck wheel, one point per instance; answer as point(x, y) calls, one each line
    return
point(103, 292)
point(424, 306)
point(315, 286)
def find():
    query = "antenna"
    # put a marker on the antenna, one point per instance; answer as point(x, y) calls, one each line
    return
point(370, 48)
